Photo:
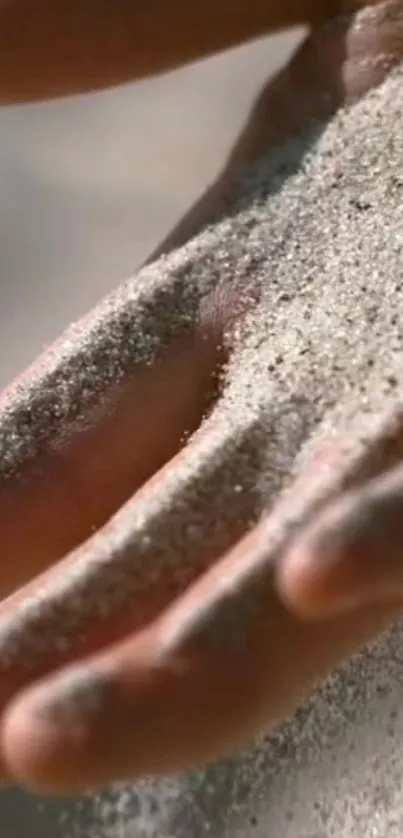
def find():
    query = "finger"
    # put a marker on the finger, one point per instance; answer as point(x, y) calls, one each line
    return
point(83, 429)
point(353, 554)
point(202, 681)
point(146, 555)
point(310, 579)
point(235, 601)
point(53, 48)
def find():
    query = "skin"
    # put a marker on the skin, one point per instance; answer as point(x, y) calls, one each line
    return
point(153, 712)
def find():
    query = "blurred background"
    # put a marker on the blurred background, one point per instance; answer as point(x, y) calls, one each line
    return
point(89, 187)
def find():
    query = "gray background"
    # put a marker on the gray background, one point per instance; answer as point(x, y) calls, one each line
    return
point(89, 186)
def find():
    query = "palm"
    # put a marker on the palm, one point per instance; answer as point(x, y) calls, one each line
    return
point(91, 434)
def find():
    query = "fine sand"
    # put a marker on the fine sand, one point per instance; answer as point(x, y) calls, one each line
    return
point(318, 228)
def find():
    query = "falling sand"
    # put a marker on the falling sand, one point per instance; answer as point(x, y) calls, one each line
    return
point(317, 230)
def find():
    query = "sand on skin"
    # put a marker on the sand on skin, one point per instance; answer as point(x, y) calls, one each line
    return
point(323, 237)
point(325, 240)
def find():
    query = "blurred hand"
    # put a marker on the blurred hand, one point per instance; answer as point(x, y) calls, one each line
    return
point(114, 664)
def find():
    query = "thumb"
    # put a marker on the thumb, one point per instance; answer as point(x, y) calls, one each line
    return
point(352, 555)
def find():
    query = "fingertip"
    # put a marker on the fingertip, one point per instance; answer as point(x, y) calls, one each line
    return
point(136, 712)
point(47, 735)
point(316, 582)
point(92, 725)
point(351, 556)
point(300, 584)
point(31, 750)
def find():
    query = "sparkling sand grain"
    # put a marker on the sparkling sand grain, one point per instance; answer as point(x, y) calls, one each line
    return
point(318, 228)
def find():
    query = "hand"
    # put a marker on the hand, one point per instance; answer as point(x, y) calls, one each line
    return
point(55, 48)
point(157, 634)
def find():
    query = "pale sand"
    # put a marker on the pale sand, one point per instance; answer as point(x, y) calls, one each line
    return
point(324, 237)
point(319, 227)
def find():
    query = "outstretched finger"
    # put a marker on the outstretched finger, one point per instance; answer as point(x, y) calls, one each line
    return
point(126, 574)
point(200, 682)
point(83, 429)
point(352, 555)
point(54, 48)
point(224, 660)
